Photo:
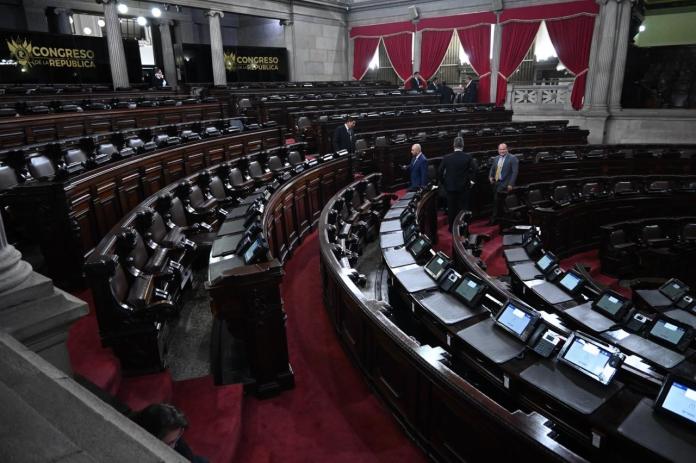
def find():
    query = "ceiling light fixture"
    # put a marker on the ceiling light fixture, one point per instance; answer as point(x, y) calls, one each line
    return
point(87, 31)
point(156, 12)
point(141, 21)
point(101, 22)
point(122, 8)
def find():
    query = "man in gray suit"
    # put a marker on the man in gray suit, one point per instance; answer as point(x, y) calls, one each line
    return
point(503, 175)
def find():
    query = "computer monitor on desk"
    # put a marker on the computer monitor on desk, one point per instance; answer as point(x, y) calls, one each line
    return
point(590, 357)
point(437, 265)
point(547, 263)
point(677, 400)
point(470, 290)
point(674, 289)
point(572, 283)
point(671, 334)
point(612, 305)
point(517, 320)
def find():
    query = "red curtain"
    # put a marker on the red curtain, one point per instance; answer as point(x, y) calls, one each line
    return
point(399, 51)
point(433, 47)
point(517, 38)
point(363, 52)
point(476, 42)
point(572, 39)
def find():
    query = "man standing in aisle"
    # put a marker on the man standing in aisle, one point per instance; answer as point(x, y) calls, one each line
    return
point(503, 175)
point(457, 173)
point(418, 168)
point(470, 91)
point(344, 138)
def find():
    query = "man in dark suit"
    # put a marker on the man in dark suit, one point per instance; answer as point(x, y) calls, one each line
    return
point(457, 173)
point(470, 91)
point(418, 168)
point(503, 175)
point(416, 82)
point(343, 137)
point(446, 93)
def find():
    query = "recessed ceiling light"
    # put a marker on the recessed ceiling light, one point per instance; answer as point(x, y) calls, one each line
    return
point(641, 28)
point(122, 8)
point(156, 12)
point(101, 22)
point(87, 31)
point(141, 21)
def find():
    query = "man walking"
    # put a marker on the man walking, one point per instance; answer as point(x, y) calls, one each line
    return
point(418, 168)
point(343, 138)
point(457, 172)
point(503, 175)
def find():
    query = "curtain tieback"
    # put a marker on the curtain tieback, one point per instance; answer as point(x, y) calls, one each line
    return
point(502, 75)
point(486, 74)
point(584, 71)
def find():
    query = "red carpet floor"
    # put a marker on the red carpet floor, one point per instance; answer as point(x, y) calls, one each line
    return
point(331, 414)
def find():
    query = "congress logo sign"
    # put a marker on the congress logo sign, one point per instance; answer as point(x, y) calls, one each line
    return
point(234, 62)
point(27, 55)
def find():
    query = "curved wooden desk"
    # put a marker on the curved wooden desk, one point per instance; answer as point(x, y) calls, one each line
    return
point(247, 297)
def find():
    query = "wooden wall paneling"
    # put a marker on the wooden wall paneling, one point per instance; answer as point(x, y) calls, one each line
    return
point(148, 120)
point(170, 117)
point(194, 160)
point(125, 123)
point(234, 150)
point(314, 201)
point(12, 136)
point(43, 133)
point(328, 188)
point(216, 155)
point(291, 235)
point(82, 215)
point(269, 226)
point(130, 191)
point(97, 125)
point(71, 129)
point(107, 210)
point(152, 178)
point(271, 141)
point(304, 223)
point(173, 165)
point(193, 115)
point(253, 145)
point(279, 232)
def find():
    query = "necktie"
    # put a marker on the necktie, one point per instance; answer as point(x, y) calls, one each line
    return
point(499, 168)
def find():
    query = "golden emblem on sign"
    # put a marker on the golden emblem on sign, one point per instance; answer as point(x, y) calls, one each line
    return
point(21, 51)
point(230, 61)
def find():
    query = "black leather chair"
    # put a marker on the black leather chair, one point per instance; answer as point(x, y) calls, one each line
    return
point(172, 210)
point(624, 188)
point(40, 167)
point(258, 173)
point(75, 161)
point(562, 196)
point(618, 255)
point(226, 199)
point(238, 183)
point(654, 236)
point(200, 207)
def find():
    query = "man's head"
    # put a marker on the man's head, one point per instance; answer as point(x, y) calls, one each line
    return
point(467, 79)
point(459, 143)
point(415, 150)
point(502, 149)
point(350, 122)
point(163, 421)
point(416, 74)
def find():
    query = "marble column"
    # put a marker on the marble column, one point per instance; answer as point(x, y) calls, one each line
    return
point(63, 20)
point(617, 77)
point(32, 310)
point(417, 40)
point(289, 38)
point(216, 51)
point(170, 74)
point(605, 55)
point(117, 57)
point(495, 61)
point(592, 64)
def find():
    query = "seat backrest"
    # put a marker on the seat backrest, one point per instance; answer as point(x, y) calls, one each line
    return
point(107, 148)
point(196, 196)
point(236, 177)
point(8, 178)
point(119, 284)
point(75, 156)
point(178, 213)
point(40, 167)
point(659, 185)
point(561, 193)
point(511, 200)
point(361, 145)
point(158, 228)
point(623, 187)
point(590, 189)
point(274, 163)
point(649, 232)
point(535, 196)
point(295, 158)
point(217, 188)
point(255, 169)
point(689, 232)
point(304, 122)
point(370, 191)
point(617, 237)
point(381, 141)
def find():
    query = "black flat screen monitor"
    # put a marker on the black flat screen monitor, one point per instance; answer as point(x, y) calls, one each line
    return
point(671, 334)
point(677, 399)
point(612, 305)
point(571, 282)
point(437, 265)
point(470, 290)
point(532, 246)
point(595, 359)
point(419, 246)
point(407, 217)
point(674, 289)
point(517, 320)
point(256, 252)
point(410, 232)
point(546, 263)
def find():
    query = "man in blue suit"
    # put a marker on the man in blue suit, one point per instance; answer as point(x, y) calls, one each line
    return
point(503, 175)
point(418, 168)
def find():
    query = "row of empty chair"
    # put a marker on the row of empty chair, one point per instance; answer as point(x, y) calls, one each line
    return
point(654, 247)
point(73, 156)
